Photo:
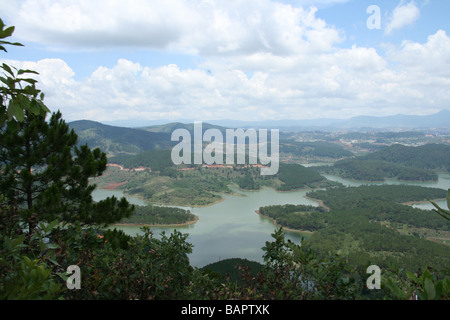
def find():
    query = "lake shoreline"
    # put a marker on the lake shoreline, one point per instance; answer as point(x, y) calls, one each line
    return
point(410, 203)
point(320, 202)
point(386, 180)
point(157, 225)
point(279, 225)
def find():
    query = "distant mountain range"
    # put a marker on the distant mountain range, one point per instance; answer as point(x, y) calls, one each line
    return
point(117, 140)
point(396, 122)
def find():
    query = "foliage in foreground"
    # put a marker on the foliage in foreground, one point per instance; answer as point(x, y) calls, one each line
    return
point(115, 266)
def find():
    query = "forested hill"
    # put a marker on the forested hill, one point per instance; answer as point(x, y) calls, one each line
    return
point(395, 162)
point(119, 140)
point(295, 176)
point(429, 156)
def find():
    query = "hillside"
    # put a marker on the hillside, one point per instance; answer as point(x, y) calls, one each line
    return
point(119, 140)
point(395, 162)
point(295, 176)
point(379, 170)
point(429, 156)
point(370, 223)
point(310, 149)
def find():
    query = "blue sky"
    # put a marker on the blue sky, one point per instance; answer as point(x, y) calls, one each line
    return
point(109, 60)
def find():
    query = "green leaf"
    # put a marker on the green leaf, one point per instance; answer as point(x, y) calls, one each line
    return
point(42, 246)
point(63, 276)
point(54, 262)
point(7, 69)
point(11, 43)
point(8, 244)
point(52, 246)
point(13, 125)
point(22, 71)
point(14, 109)
point(53, 224)
point(29, 80)
point(7, 32)
point(19, 240)
point(429, 289)
point(411, 276)
point(439, 286)
point(4, 80)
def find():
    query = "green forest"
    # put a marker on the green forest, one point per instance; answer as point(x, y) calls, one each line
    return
point(369, 223)
point(395, 162)
point(429, 156)
point(299, 217)
point(377, 170)
point(157, 160)
point(295, 176)
point(158, 215)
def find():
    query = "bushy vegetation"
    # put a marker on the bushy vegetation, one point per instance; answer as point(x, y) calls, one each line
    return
point(295, 176)
point(377, 170)
point(429, 156)
point(299, 217)
point(397, 161)
point(364, 224)
point(383, 203)
point(158, 215)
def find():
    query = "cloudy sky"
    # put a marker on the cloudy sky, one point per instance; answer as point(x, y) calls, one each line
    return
point(108, 60)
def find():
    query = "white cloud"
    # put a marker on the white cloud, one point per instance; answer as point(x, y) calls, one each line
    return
point(260, 60)
point(196, 26)
point(432, 58)
point(341, 83)
point(404, 14)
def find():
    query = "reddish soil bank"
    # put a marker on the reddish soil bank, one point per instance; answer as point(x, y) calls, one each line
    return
point(112, 185)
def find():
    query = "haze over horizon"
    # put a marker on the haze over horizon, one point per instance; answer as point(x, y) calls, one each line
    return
point(240, 60)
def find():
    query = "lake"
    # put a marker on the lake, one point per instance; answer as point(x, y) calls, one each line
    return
point(232, 229)
point(229, 229)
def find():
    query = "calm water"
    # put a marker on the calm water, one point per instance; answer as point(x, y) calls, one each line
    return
point(232, 229)
point(229, 229)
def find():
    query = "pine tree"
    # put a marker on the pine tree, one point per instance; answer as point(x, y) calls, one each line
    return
point(44, 170)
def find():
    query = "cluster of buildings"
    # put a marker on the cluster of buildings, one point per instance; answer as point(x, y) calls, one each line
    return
point(125, 169)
